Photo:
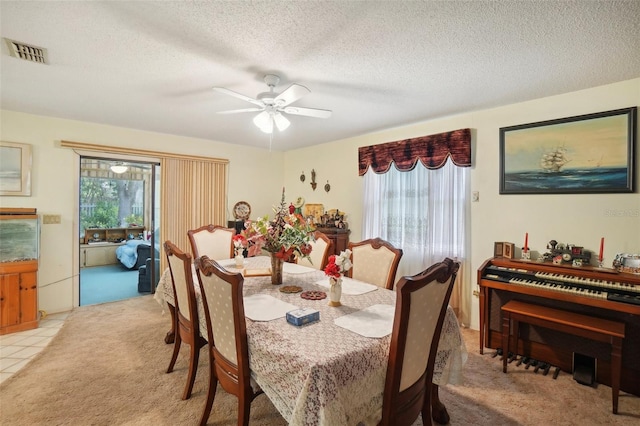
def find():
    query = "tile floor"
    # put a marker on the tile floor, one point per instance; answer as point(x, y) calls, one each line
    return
point(17, 349)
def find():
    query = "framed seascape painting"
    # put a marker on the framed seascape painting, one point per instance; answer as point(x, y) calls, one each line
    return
point(15, 168)
point(591, 153)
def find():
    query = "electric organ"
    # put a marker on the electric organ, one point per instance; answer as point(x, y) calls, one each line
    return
point(598, 292)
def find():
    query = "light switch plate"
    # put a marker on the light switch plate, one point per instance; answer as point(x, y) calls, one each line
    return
point(49, 219)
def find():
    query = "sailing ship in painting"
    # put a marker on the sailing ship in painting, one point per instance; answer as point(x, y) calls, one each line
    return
point(552, 161)
point(555, 171)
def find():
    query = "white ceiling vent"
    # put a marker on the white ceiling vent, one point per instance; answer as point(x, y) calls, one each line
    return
point(27, 52)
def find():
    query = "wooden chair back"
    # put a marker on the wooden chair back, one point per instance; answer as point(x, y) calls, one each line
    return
point(421, 306)
point(213, 241)
point(221, 293)
point(375, 261)
point(186, 323)
point(321, 247)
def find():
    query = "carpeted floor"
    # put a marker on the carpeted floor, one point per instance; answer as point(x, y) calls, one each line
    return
point(107, 367)
point(100, 284)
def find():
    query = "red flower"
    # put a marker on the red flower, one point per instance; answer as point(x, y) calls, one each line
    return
point(332, 269)
point(285, 254)
point(305, 249)
point(239, 239)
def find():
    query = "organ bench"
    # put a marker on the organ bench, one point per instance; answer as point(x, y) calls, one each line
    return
point(610, 332)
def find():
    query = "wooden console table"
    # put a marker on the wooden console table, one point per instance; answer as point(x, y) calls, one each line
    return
point(339, 237)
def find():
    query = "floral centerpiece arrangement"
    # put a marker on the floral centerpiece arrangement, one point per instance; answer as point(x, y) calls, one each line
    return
point(336, 267)
point(286, 235)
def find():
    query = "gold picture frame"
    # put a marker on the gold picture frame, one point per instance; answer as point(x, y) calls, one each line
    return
point(314, 210)
point(15, 168)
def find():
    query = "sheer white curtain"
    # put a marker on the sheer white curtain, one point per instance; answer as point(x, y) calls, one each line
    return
point(422, 211)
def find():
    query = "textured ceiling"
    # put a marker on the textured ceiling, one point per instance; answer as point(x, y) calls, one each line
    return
point(376, 65)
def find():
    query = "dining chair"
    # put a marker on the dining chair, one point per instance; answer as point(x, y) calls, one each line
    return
point(421, 304)
point(186, 322)
point(214, 241)
point(375, 261)
point(227, 336)
point(321, 246)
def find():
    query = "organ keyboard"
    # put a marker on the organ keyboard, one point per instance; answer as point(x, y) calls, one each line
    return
point(598, 292)
point(580, 286)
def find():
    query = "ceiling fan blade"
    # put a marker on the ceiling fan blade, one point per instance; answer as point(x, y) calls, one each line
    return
point(238, 95)
point(233, 111)
point(290, 95)
point(281, 122)
point(309, 112)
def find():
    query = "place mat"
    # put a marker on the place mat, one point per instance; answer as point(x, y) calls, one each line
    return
point(262, 307)
point(262, 272)
point(313, 295)
point(291, 289)
point(350, 286)
point(375, 321)
point(226, 262)
point(294, 268)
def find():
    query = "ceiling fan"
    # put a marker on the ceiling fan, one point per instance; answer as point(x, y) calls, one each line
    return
point(272, 105)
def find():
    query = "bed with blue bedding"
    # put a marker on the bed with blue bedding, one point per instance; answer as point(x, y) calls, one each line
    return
point(128, 253)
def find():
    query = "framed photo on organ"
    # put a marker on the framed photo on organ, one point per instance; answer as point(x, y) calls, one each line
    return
point(508, 250)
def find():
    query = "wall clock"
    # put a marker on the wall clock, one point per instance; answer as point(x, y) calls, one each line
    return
point(241, 210)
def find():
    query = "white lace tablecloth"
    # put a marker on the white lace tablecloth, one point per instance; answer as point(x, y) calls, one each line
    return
point(320, 373)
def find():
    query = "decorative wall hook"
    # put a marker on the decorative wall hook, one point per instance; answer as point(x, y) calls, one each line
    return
point(302, 177)
point(327, 187)
point(313, 179)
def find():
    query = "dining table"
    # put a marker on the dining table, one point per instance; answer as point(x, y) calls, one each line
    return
point(330, 371)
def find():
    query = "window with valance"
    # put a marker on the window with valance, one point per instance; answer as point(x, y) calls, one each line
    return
point(420, 204)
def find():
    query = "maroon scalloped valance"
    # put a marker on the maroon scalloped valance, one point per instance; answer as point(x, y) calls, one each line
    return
point(432, 151)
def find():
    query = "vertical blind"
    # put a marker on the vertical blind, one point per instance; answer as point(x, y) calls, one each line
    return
point(193, 195)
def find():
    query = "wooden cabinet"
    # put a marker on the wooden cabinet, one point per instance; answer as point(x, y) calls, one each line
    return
point(98, 254)
point(111, 234)
point(18, 296)
point(339, 237)
point(19, 239)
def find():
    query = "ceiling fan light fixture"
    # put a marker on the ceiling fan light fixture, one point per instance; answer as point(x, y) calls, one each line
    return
point(273, 105)
point(264, 122)
point(281, 122)
point(119, 168)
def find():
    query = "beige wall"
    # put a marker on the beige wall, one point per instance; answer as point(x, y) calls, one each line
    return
point(578, 219)
point(255, 175)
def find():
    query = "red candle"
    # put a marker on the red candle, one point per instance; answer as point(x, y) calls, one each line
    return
point(526, 242)
point(601, 249)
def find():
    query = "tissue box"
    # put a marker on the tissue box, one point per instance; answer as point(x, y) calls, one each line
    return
point(303, 316)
